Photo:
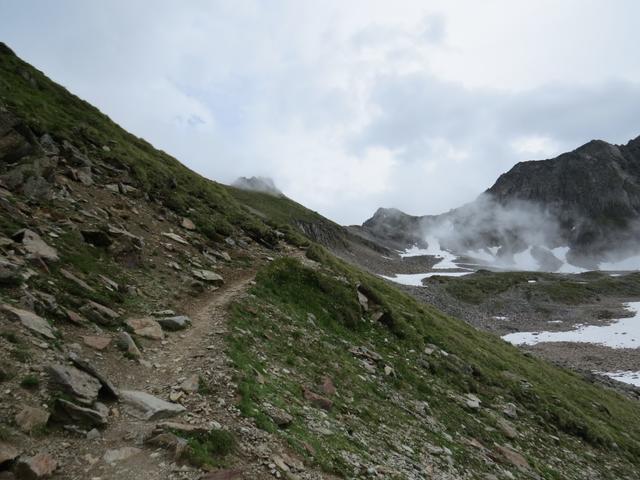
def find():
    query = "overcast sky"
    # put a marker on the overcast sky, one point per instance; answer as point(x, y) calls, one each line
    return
point(348, 105)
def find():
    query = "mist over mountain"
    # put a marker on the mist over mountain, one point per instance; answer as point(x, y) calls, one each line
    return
point(583, 204)
point(258, 184)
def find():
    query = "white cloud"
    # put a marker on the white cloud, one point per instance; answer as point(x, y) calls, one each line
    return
point(348, 105)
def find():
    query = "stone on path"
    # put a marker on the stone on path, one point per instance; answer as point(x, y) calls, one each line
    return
point(146, 406)
point(119, 454)
point(66, 412)
point(96, 342)
point(145, 327)
point(178, 322)
point(209, 277)
point(126, 343)
point(35, 246)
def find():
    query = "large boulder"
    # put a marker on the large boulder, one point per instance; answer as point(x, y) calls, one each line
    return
point(81, 386)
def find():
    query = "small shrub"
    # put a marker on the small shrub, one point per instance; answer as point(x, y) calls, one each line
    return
point(30, 382)
point(211, 447)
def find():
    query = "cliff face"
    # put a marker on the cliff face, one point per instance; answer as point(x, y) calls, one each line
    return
point(593, 191)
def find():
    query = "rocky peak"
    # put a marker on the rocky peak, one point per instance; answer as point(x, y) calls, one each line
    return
point(258, 184)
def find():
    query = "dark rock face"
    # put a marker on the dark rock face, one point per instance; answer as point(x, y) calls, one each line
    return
point(395, 228)
point(594, 192)
point(587, 199)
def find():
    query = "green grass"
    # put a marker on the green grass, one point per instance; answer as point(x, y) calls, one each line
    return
point(210, 448)
point(484, 285)
point(272, 330)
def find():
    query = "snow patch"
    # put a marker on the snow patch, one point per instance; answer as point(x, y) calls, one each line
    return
point(622, 333)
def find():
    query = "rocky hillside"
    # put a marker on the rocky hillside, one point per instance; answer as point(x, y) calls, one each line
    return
point(158, 325)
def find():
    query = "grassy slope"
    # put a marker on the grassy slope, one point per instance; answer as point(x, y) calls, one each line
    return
point(565, 423)
point(47, 107)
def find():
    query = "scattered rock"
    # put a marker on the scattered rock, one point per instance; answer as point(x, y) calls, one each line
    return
point(145, 327)
point(317, 400)
point(363, 301)
point(510, 410)
point(510, 456)
point(171, 442)
point(281, 418)
point(96, 342)
point(31, 418)
point(30, 320)
point(100, 314)
point(119, 454)
point(41, 465)
point(148, 407)
point(66, 412)
point(126, 343)
point(179, 322)
point(209, 277)
point(82, 386)
point(507, 428)
point(164, 313)
point(188, 224)
point(327, 387)
point(78, 281)
point(93, 434)
point(35, 246)
point(471, 401)
point(175, 237)
point(191, 384)
point(8, 452)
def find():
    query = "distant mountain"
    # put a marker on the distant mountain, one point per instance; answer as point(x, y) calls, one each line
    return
point(587, 200)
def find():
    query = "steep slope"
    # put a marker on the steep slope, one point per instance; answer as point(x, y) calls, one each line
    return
point(152, 326)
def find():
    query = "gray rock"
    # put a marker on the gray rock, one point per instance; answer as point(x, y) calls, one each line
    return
point(191, 384)
point(179, 322)
point(78, 281)
point(209, 277)
point(35, 246)
point(175, 238)
point(31, 418)
point(126, 344)
point(66, 412)
point(148, 407)
point(119, 454)
point(30, 320)
point(107, 387)
point(82, 386)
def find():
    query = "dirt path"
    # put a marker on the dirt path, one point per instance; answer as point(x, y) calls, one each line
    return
point(196, 351)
